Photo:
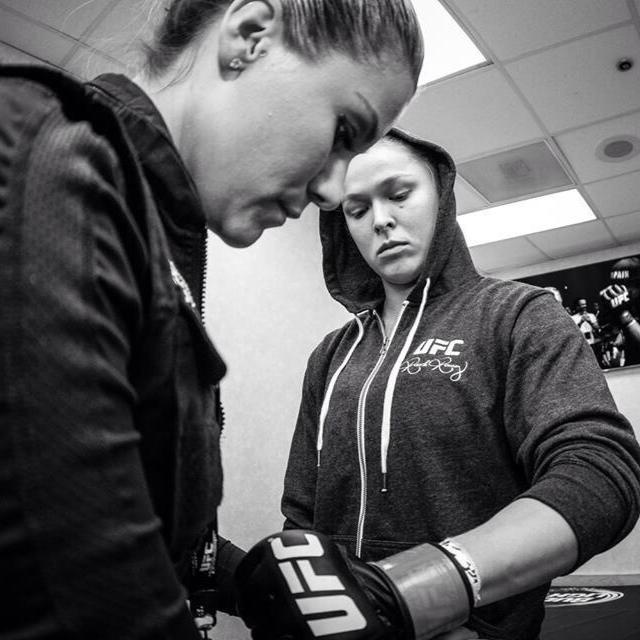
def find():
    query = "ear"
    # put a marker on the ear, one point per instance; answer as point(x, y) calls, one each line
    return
point(247, 32)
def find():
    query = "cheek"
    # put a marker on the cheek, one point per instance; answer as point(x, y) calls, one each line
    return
point(360, 237)
point(308, 141)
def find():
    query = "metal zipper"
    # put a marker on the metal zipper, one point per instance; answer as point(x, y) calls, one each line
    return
point(205, 274)
point(362, 458)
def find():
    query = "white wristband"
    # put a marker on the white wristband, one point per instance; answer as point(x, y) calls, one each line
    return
point(466, 563)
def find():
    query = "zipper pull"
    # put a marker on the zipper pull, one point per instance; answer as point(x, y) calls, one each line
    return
point(383, 348)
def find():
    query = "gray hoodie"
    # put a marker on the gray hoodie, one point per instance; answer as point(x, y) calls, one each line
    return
point(484, 392)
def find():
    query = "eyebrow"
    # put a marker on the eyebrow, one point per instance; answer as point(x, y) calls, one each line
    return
point(368, 124)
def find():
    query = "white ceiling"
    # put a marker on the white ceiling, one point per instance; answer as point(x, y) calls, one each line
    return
point(551, 76)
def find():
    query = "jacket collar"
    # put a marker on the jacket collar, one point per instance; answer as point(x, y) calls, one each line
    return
point(176, 194)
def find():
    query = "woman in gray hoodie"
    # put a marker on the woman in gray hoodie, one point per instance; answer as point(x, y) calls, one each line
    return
point(459, 427)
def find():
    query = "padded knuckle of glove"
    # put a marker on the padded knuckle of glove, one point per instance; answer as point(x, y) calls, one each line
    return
point(296, 584)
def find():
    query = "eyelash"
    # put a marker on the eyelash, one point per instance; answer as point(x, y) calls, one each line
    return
point(399, 196)
point(344, 136)
point(356, 213)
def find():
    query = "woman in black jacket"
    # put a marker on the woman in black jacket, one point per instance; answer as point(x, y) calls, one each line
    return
point(110, 424)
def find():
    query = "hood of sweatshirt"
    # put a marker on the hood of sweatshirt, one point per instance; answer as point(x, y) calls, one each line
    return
point(356, 286)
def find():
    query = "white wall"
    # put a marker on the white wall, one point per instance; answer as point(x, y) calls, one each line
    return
point(267, 308)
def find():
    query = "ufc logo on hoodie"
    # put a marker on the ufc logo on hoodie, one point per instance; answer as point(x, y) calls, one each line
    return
point(433, 346)
point(443, 358)
point(314, 602)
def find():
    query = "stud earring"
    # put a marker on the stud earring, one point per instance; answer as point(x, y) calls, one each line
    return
point(236, 64)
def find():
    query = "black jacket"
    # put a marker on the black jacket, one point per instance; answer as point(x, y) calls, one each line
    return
point(109, 438)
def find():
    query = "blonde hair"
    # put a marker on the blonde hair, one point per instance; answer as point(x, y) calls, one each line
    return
point(365, 30)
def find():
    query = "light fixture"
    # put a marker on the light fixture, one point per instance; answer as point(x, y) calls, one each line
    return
point(448, 49)
point(523, 217)
point(516, 173)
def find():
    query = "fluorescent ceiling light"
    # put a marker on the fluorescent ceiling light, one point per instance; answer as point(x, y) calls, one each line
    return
point(448, 49)
point(525, 216)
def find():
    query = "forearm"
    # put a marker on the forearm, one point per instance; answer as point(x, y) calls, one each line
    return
point(524, 545)
point(630, 326)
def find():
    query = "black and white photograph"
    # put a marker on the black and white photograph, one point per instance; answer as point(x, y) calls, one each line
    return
point(320, 319)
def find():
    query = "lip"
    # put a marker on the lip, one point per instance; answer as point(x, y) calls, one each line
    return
point(390, 244)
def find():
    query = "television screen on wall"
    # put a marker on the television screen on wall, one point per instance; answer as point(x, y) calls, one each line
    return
point(603, 300)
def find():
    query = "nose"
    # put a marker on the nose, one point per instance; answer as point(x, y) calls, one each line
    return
point(327, 188)
point(382, 217)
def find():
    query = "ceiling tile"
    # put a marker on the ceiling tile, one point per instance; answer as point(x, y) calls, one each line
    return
point(574, 239)
point(466, 198)
point(515, 173)
point(515, 252)
point(616, 196)
point(466, 115)
point(123, 29)
point(625, 228)
point(69, 16)
point(578, 83)
point(37, 40)
point(87, 64)
point(512, 28)
point(9, 55)
point(580, 146)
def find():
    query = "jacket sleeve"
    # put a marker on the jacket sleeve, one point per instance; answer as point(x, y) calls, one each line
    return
point(578, 452)
point(81, 547)
point(300, 478)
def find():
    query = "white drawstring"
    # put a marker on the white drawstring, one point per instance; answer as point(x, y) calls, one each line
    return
point(385, 430)
point(327, 396)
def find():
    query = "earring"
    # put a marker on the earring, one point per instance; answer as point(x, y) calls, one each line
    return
point(236, 64)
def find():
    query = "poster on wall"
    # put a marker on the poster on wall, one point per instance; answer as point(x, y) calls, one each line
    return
point(603, 299)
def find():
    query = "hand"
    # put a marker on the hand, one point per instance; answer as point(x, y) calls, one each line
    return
point(616, 298)
point(297, 585)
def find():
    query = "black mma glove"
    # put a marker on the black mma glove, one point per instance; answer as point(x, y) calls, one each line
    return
point(383, 595)
point(616, 299)
point(297, 585)
point(211, 585)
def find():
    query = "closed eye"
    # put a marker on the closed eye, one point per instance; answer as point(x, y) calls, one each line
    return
point(399, 196)
point(345, 134)
point(355, 211)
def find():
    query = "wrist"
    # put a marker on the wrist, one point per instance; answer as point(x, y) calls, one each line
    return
point(432, 587)
point(466, 566)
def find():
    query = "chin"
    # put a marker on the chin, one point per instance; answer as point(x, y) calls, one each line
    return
point(401, 279)
point(238, 238)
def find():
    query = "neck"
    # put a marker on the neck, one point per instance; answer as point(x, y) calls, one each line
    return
point(395, 295)
point(169, 99)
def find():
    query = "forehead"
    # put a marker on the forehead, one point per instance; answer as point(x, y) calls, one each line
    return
point(382, 161)
point(387, 88)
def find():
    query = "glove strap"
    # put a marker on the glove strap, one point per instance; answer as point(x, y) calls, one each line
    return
point(434, 591)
